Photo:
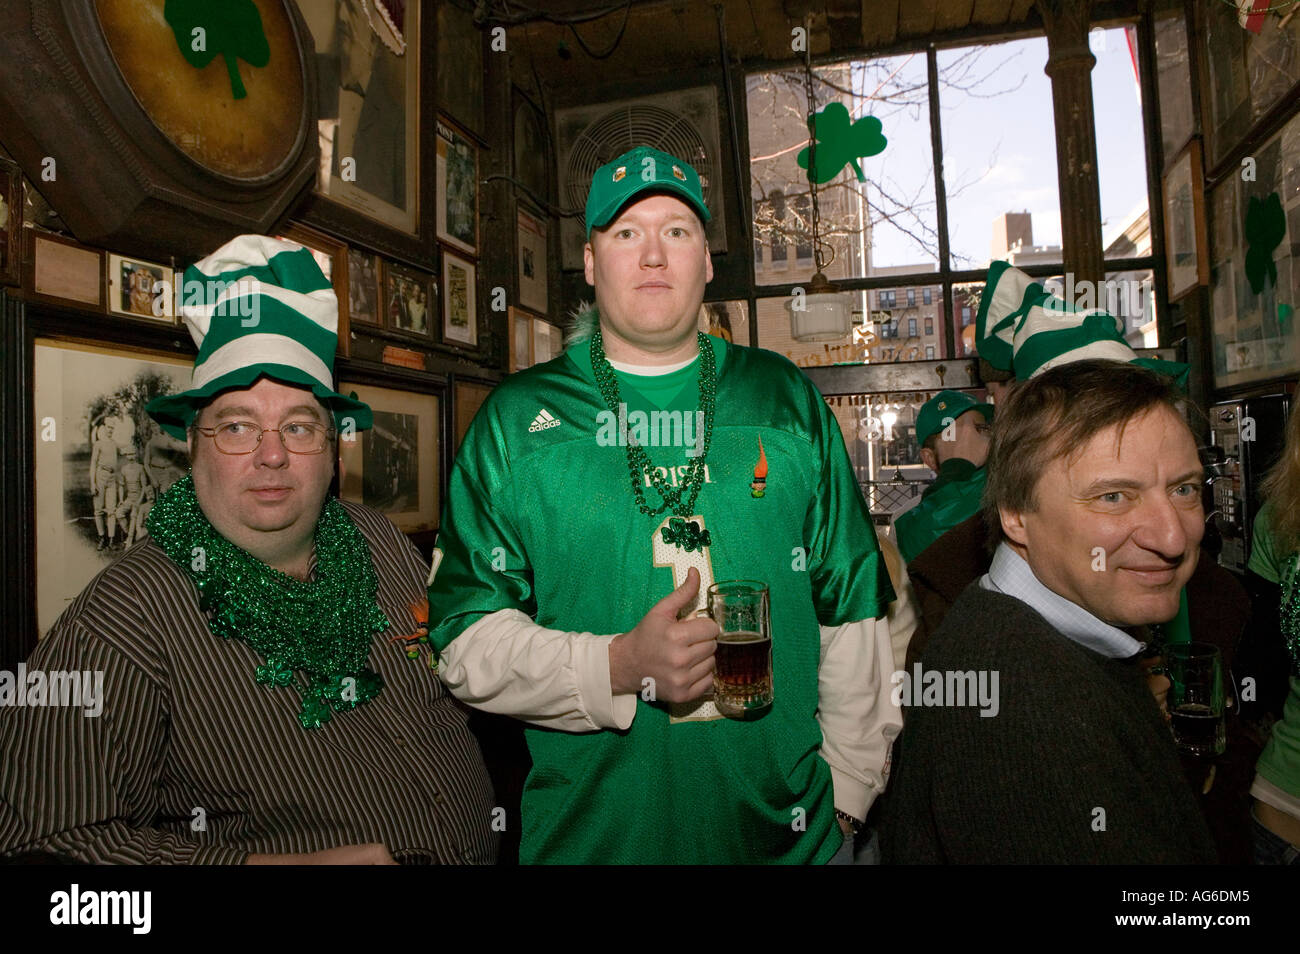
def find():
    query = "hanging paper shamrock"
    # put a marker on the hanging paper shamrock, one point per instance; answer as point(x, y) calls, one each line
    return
point(1265, 227)
point(232, 28)
point(841, 142)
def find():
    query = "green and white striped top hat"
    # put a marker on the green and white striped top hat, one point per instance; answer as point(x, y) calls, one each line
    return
point(1023, 327)
point(258, 307)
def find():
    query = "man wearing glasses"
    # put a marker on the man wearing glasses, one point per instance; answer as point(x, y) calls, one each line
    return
point(255, 685)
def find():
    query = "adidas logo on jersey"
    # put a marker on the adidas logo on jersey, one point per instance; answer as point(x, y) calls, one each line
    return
point(542, 421)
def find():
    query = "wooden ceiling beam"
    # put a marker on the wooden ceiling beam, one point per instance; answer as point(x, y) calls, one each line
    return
point(879, 23)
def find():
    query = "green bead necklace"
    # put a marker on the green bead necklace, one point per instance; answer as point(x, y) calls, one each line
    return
point(639, 464)
point(322, 627)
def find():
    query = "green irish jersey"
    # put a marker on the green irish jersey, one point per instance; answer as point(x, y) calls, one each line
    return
point(540, 517)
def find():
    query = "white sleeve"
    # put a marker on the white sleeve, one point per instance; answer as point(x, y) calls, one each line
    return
point(506, 663)
point(858, 718)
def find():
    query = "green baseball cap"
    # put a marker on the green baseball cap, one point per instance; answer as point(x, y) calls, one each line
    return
point(638, 170)
point(944, 406)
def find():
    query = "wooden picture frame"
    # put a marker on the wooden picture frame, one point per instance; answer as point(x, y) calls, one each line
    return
point(460, 67)
point(332, 257)
point(63, 272)
point(393, 467)
point(532, 261)
point(95, 396)
point(135, 288)
point(1187, 253)
point(459, 301)
point(365, 288)
point(521, 339)
point(467, 398)
point(457, 189)
point(532, 154)
point(11, 223)
point(370, 206)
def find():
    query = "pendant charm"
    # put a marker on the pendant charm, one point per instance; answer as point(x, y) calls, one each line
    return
point(759, 487)
point(686, 535)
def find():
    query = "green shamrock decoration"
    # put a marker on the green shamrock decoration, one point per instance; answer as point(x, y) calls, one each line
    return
point(1265, 227)
point(232, 28)
point(685, 535)
point(841, 142)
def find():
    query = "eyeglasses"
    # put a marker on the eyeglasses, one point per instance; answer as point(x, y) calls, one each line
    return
point(242, 437)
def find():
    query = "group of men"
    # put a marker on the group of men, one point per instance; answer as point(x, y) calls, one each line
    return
point(274, 692)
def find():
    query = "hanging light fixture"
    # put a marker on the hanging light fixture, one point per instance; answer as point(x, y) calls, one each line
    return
point(822, 313)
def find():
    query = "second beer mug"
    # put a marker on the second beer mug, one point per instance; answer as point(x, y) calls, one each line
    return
point(742, 676)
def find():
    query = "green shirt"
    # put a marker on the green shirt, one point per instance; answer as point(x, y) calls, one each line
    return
point(552, 506)
point(1279, 763)
point(952, 498)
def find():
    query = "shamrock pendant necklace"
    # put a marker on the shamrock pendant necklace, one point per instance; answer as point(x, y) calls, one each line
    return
point(681, 532)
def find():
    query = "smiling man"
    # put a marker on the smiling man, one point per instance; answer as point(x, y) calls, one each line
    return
point(253, 693)
point(570, 567)
point(1094, 502)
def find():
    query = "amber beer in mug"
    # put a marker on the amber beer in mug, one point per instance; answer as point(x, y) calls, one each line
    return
point(742, 674)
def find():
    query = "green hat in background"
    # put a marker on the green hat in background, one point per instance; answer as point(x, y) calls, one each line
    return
point(944, 406)
point(1043, 331)
point(258, 307)
point(638, 170)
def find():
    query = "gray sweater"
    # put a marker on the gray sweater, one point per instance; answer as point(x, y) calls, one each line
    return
point(1076, 767)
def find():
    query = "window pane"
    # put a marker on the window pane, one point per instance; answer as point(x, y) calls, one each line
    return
point(886, 219)
point(999, 154)
point(1121, 143)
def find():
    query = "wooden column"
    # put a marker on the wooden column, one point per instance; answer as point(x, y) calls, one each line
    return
point(1069, 64)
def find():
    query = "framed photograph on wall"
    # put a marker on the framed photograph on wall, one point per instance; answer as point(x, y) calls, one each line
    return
point(521, 340)
point(542, 341)
point(371, 184)
point(139, 289)
point(365, 288)
point(468, 397)
point(63, 272)
point(11, 223)
point(459, 301)
point(410, 301)
point(1186, 244)
point(532, 262)
point(393, 467)
point(460, 66)
point(332, 257)
point(531, 155)
point(96, 482)
point(457, 188)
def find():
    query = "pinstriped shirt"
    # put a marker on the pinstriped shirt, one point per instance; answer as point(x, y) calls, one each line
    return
point(192, 761)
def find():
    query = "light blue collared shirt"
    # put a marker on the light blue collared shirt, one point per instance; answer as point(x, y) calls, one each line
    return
point(1012, 576)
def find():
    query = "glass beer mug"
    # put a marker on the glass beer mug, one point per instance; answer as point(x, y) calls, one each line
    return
point(742, 675)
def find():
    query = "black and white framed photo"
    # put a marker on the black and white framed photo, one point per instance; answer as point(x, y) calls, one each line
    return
point(100, 460)
point(139, 289)
point(410, 301)
point(365, 287)
point(457, 186)
point(532, 262)
point(459, 301)
point(393, 467)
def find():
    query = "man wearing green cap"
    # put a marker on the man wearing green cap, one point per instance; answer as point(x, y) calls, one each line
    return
point(953, 431)
point(253, 690)
point(578, 541)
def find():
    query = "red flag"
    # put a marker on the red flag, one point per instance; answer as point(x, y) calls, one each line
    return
point(1250, 13)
